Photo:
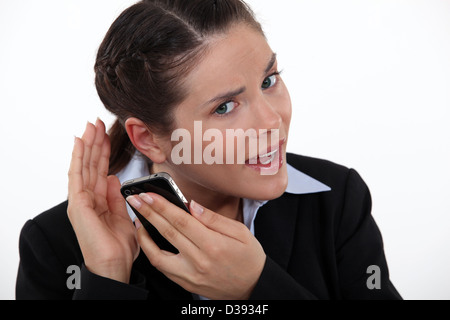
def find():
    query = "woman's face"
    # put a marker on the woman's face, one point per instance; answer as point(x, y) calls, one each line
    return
point(235, 89)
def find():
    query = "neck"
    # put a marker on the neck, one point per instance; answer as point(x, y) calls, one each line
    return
point(227, 206)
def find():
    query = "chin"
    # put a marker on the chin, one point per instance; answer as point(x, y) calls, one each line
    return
point(269, 187)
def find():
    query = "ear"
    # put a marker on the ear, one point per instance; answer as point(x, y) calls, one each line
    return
point(144, 140)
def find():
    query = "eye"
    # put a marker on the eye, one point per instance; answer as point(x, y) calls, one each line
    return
point(269, 82)
point(225, 108)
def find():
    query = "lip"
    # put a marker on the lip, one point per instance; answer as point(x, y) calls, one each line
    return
point(272, 164)
point(269, 152)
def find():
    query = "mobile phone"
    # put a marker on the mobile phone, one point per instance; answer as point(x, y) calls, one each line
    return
point(162, 184)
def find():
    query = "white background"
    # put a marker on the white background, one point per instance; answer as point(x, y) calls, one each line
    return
point(370, 84)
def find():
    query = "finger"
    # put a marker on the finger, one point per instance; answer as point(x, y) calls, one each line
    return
point(103, 163)
point(165, 228)
point(183, 222)
point(76, 166)
point(156, 256)
point(219, 223)
point(97, 148)
point(173, 265)
point(88, 140)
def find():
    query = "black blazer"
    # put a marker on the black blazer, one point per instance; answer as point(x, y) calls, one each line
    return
point(318, 246)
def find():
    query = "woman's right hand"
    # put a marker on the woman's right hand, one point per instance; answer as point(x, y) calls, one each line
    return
point(97, 210)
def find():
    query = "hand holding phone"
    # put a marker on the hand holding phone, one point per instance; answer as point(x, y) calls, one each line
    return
point(219, 258)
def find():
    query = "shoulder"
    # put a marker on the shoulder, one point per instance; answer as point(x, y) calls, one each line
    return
point(348, 189)
point(349, 199)
point(54, 217)
point(52, 229)
point(313, 165)
point(334, 175)
point(47, 247)
point(53, 222)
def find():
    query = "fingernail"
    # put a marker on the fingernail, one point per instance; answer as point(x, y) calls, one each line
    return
point(196, 208)
point(137, 224)
point(134, 202)
point(146, 198)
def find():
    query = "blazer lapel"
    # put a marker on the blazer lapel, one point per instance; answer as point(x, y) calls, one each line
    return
point(275, 227)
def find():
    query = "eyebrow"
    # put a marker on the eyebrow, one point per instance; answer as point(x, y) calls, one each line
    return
point(234, 93)
point(271, 63)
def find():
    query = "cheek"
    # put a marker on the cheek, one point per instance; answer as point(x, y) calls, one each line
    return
point(287, 98)
point(287, 115)
point(284, 105)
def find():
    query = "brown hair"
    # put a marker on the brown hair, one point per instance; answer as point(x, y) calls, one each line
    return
point(146, 54)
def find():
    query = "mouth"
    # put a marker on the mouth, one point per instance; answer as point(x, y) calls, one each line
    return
point(272, 157)
point(263, 159)
point(268, 157)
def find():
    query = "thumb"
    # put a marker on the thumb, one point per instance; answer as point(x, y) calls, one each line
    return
point(116, 202)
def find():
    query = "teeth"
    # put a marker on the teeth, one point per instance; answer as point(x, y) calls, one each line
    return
point(270, 156)
point(264, 158)
point(266, 162)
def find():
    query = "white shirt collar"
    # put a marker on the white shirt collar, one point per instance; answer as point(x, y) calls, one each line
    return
point(298, 183)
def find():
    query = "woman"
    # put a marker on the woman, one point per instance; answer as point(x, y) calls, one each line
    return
point(273, 226)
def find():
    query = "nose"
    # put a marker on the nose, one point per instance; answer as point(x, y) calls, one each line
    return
point(266, 115)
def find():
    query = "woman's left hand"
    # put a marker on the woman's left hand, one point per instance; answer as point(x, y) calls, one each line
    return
point(218, 257)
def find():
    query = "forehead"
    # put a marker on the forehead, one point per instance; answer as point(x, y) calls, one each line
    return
point(229, 60)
